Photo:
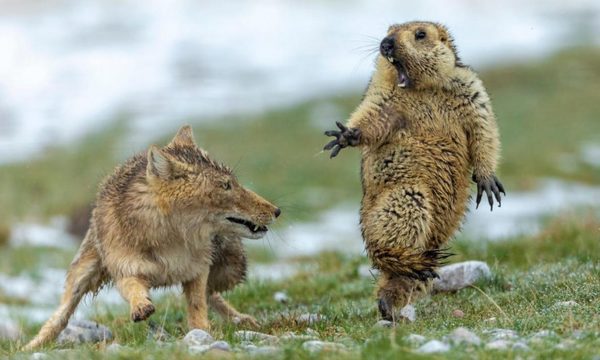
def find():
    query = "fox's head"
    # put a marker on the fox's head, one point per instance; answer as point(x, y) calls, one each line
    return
point(195, 190)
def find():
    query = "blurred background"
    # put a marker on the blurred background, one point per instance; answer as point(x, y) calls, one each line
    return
point(86, 84)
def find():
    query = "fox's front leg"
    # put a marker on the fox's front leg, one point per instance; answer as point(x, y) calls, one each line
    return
point(136, 291)
point(195, 293)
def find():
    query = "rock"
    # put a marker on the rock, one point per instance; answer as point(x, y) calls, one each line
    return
point(247, 335)
point(310, 319)
point(261, 350)
point(384, 324)
point(463, 335)
point(39, 356)
point(221, 345)
point(198, 349)
point(433, 346)
point(293, 336)
point(565, 344)
point(460, 275)
point(84, 331)
point(281, 297)
point(569, 303)
point(520, 346)
point(317, 346)
point(408, 313)
point(366, 271)
point(198, 337)
point(498, 345)
point(9, 330)
point(415, 339)
point(217, 346)
point(457, 313)
point(501, 334)
point(540, 336)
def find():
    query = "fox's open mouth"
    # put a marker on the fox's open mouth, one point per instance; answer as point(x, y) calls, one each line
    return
point(403, 80)
point(254, 228)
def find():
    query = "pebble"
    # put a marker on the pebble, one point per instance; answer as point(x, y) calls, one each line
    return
point(501, 334)
point(281, 297)
point(84, 331)
point(310, 319)
point(221, 345)
point(293, 336)
point(457, 313)
point(462, 335)
point(261, 350)
point(384, 324)
point(520, 346)
point(198, 337)
point(415, 339)
point(39, 356)
point(317, 345)
point(433, 346)
point(498, 345)
point(247, 335)
point(569, 303)
point(9, 330)
point(460, 275)
point(408, 313)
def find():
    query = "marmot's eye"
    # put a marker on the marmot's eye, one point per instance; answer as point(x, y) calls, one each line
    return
point(227, 185)
point(420, 35)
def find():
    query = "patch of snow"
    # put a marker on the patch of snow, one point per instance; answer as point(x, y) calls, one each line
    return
point(53, 234)
point(590, 154)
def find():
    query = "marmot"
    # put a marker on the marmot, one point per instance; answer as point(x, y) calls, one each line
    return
point(424, 126)
point(170, 216)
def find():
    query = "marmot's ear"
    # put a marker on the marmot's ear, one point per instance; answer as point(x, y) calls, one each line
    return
point(159, 164)
point(185, 136)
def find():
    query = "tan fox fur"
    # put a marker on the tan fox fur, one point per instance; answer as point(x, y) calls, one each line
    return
point(171, 216)
point(425, 124)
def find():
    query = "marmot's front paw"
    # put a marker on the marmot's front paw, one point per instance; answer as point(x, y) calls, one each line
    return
point(343, 138)
point(491, 186)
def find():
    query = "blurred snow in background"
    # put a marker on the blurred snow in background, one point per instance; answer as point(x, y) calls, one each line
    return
point(70, 67)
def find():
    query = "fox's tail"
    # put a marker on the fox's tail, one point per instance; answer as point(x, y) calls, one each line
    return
point(402, 261)
point(85, 275)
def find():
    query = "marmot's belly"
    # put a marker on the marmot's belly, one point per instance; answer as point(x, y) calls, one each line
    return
point(439, 168)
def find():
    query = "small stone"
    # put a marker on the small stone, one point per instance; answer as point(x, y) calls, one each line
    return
point(569, 303)
point(460, 275)
point(457, 313)
point(501, 334)
point(115, 347)
point(463, 335)
point(543, 334)
point(490, 320)
point(198, 349)
point(565, 344)
point(221, 345)
point(317, 345)
point(415, 339)
point(409, 313)
point(433, 346)
point(520, 346)
point(84, 331)
point(384, 324)
point(247, 335)
point(366, 271)
point(310, 319)
point(39, 356)
point(198, 337)
point(281, 297)
point(293, 336)
point(261, 350)
point(9, 330)
point(498, 345)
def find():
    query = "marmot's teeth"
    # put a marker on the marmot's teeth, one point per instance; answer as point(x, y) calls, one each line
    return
point(390, 59)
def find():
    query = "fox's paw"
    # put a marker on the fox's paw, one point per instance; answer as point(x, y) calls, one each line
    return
point(492, 187)
point(343, 138)
point(142, 311)
point(246, 321)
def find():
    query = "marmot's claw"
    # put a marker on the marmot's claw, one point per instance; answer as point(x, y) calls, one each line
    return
point(385, 310)
point(343, 138)
point(492, 187)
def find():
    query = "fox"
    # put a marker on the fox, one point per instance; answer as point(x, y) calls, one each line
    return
point(170, 216)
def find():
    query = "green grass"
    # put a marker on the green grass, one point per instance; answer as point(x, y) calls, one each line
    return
point(530, 276)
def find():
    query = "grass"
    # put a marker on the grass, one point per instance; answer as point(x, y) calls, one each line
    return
point(521, 296)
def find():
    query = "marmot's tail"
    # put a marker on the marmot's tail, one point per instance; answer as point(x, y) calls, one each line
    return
point(85, 275)
point(417, 264)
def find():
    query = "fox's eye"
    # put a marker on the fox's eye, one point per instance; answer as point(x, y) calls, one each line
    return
point(227, 185)
point(420, 35)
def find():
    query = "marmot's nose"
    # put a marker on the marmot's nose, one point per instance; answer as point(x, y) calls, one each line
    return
point(387, 46)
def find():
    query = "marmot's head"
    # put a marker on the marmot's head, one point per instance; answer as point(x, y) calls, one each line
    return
point(419, 54)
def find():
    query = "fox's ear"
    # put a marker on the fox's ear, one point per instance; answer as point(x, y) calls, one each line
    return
point(159, 164)
point(185, 136)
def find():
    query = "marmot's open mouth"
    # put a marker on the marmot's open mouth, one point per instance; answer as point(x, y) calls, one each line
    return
point(249, 224)
point(403, 80)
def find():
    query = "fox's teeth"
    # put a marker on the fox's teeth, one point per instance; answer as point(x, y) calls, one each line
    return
point(390, 59)
point(255, 227)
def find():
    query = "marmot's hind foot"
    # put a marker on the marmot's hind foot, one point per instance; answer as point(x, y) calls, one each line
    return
point(142, 312)
point(386, 311)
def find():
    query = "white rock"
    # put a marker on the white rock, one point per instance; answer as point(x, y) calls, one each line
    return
point(366, 271)
point(543, 334)
point(198, 349)
point(384, 324)
point(501, 334)
point(416, 339)
point(261, 350)
point(463, 335)
point(498, 345)
point(84, 331)
point(220, 345)
point(520, 346)
point(39, 356)
point(9, 330)
point(408, 313)
point(569, 303)
point(433, 346)
point(460, 275)
point(293, 336)
point(247, 335)
point(317, 345)
point(281, 297)
point(310, 319)
point(198, 337)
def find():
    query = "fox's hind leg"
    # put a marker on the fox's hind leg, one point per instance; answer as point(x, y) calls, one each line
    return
point(227, 311)
point(136, 291)
point(85, 275)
